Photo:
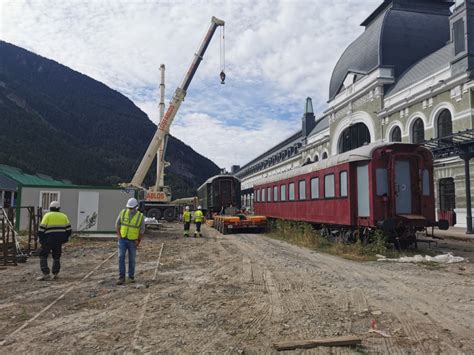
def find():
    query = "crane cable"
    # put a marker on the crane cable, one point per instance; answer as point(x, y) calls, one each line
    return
point(222, 55)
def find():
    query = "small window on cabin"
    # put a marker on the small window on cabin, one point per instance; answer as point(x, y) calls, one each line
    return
point(275, 193)
point(381, 176)
point(329, 186)
point(263, 195)
point(46, 197)
point(291, 191)
point(282, 192)
point(315, 188)
point(258, 195)
point(343, 184)
point(302, 189)
point(426, 182)
point(269, 192)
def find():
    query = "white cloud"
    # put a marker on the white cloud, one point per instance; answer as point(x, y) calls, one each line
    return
point(230, 143)
point(277, 54)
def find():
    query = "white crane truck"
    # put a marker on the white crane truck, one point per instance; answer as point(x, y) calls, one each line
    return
point(155, 201)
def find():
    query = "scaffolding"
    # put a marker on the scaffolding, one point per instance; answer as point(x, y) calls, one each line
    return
point(11, 251)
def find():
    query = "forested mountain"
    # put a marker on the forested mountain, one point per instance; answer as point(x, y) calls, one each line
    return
point(56, 121)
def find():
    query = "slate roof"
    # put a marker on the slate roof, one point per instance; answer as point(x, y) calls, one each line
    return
point(424, 68)
point(397, 34)
point(321, 125)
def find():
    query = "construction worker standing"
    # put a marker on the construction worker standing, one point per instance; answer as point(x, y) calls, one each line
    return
point(130, 227)
point(53, 232)
point(186, 221)
point(198, 219)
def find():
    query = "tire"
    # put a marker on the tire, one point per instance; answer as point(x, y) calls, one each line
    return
point(169, 214)
point(154, 212)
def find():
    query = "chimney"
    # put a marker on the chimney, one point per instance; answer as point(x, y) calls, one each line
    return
point(234, 169)
point(461, 24)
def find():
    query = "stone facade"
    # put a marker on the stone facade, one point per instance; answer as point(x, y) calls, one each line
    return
point(386, 97)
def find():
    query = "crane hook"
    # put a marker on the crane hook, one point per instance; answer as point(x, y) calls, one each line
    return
point(222, 75)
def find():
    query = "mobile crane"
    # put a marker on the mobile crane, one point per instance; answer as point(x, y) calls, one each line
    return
point(152, 201)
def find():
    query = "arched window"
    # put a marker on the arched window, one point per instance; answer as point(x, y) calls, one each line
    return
point(325, 156)
point(354, 137)
point(316, 158)
point(396, 134)
point(418, 131)
point(445, 123)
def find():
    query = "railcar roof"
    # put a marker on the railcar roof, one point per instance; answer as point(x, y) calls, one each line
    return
point(212, 178)
point(360, 154)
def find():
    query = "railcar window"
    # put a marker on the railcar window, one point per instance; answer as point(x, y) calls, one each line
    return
point(269, 196)
point(381, 176)
point(258, 195)
point(343, 183)
point(329, 186)
point(315, 188)
point(302, 190)
point(282, 192)
point(291, 191)
point(263, 195)
point(275, 193)
point(426, 182)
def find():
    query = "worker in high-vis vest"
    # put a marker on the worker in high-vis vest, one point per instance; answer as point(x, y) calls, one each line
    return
point(198, 219)
point(53, 232)
point(186, 221)
point(130, 226)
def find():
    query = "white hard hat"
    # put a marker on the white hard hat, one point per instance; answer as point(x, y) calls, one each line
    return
point(199, 207)
point(55, 204)
point(187, 208)
point(132, 203)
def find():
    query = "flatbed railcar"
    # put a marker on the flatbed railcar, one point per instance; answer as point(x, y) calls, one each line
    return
point(218, 192)
point(387, 186)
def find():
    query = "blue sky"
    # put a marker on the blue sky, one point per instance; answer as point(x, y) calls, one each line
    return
point(277, 53)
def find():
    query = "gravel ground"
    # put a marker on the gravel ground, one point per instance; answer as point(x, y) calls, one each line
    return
point(234, 294)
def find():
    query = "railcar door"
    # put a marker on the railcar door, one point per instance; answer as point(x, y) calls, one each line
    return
point(363, 198)
point(225, 192)
point(403, 193)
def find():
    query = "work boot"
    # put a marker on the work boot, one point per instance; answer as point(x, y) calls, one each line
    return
point(55, 276)
point(45, 277)
point(121, 281)
point(131, 279)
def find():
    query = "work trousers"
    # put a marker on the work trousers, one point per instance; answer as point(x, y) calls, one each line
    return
point(198, 227)
point(125, 245)
point(186, 228)
point(55, 250)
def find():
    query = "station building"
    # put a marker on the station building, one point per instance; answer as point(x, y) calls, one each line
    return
point(407, 78)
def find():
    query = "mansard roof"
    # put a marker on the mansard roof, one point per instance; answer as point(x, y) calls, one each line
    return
point(424, 68)
point(397, 34)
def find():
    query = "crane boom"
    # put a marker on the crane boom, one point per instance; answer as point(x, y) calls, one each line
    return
point(173, 107)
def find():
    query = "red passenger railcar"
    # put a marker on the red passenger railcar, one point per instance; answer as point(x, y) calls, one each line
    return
point(380, 185)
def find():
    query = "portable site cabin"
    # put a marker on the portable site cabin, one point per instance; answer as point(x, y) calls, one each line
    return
point(89, 208)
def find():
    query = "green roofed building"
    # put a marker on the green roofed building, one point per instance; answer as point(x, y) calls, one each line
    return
point(90, 208)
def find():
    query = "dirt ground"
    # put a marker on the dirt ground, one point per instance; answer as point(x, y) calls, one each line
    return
point(233, 294)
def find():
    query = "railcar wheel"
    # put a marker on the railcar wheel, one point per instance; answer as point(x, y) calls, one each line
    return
point(154, 213)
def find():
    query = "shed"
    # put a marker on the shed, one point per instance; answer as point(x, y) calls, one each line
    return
point(89, 208)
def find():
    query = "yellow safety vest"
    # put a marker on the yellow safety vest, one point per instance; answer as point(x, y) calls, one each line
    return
point(198, 216)
point(130, 229)
point(187, 216)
